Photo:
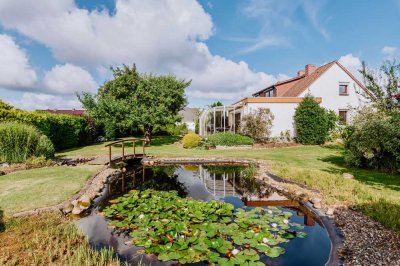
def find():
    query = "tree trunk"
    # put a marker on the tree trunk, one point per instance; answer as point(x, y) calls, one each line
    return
point(147, 134)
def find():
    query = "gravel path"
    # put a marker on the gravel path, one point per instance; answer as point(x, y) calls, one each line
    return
point(366, 241)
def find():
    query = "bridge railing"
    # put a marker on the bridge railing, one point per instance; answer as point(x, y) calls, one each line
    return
point(123, 141)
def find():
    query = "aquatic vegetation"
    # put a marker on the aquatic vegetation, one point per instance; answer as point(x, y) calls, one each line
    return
point(188, 230)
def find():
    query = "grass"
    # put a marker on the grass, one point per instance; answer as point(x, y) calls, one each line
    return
point(374, 193)
point(24, 190)
point(48, 240)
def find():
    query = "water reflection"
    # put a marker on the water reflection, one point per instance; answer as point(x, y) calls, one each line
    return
point(205, 182)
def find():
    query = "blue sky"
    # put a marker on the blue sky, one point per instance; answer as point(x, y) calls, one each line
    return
point(229, 49)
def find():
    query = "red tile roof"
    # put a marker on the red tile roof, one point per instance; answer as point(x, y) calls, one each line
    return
point(295, 86)
point(65, 111)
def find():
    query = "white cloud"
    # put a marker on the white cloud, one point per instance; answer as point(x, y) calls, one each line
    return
point(159, 36)
point(15, 71)
point(35, 101)
point(389, 50)
point(353, 64)
point(68, 79)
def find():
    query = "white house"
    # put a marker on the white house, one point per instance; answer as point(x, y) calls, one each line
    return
point(331, 84)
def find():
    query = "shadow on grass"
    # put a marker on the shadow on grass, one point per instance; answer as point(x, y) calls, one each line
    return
point(2, 226)
point(367, 176)
point(383, 212)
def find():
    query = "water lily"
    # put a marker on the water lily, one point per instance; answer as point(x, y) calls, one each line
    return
point(269, 211)
point(286, 221)
point(265, 240)
point(274, 225)
point(235, 251)
point(141, 216)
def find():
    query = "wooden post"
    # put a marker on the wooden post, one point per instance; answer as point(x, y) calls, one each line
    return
point(134, 148)
point(109, 154)
point(123, 150)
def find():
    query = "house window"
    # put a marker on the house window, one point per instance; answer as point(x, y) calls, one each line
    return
point(269, 93)
point(343, 89)
point(343, 116)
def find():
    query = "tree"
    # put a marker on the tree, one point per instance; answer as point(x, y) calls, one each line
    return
point(131, 100)
point(313, 122)
point(5, 106)
point(384, 86)
point(258, 124)
point(215, 104)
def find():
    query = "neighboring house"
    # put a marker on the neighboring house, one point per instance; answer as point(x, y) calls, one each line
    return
point(331, 84)
point(189, 117)
point(65, 111)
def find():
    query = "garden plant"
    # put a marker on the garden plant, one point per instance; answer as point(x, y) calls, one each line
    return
point(188, 230)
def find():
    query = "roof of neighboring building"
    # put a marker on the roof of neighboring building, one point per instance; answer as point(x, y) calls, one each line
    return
point(189, 114)
point(65, 111)
point(295, 86)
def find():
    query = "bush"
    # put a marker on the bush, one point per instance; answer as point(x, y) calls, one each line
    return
point(257, 125)
point(313, 122)
point(191, 140)
point(64, 131)
point(37, 162)
point(373, 140)
point(229, 139)
point(19, 142)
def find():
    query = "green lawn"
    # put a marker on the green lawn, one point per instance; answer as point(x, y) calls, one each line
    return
point(374, 193)
point(24, 190)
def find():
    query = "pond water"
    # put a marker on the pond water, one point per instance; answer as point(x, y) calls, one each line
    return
point(205, 182)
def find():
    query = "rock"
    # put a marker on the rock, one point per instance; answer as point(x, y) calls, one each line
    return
point(317, 205)
point(74, 203)
point(84, 199)
point(348, 175)
point(76, 210)
point(315, 200)
point(330, 211)
point(4, 165)
point(67, 208)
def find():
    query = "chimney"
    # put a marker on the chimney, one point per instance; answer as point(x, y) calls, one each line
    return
point(300, 72)
point(310, 68)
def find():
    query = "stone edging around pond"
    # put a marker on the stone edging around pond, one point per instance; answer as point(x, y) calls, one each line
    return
point(81, 200)
point(93, 187)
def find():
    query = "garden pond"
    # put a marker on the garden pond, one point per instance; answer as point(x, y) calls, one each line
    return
point(202, 215)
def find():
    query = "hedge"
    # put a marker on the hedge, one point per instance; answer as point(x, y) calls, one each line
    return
point(19, 142)
point(229, 139)
point(64, 131)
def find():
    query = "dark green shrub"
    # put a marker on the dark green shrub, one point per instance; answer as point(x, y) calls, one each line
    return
point(313, 122)
point(229, 139)
point(191, 140)
point(64, 131)
point(373, 140)
point(18, 142)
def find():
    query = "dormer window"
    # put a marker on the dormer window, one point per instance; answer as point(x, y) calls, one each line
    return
point(343, 89)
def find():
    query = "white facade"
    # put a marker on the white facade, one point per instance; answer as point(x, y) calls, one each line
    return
point(326, 87)
point(283, 115)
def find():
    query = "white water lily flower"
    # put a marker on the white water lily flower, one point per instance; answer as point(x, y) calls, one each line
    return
point(286, 221)
point(141, 216)
point(235, 251)
point(274, 225)
point(269, 211)
point(265, 240)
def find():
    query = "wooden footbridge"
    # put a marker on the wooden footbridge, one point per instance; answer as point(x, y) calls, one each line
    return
point(126, 144)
